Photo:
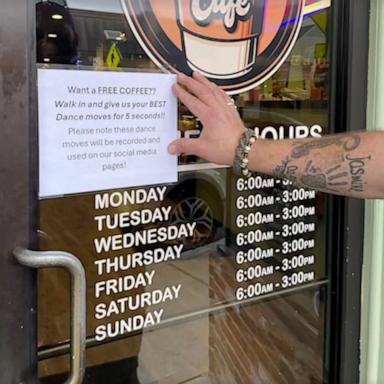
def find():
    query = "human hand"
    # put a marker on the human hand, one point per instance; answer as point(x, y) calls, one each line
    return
point(222, 125)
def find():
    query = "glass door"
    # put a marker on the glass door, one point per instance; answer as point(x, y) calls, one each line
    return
point(211, 278)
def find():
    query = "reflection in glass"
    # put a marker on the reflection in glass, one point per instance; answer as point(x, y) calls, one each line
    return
point(225, 325)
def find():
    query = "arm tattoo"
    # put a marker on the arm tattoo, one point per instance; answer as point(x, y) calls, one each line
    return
point(357, 171)
point(328, 181)
point(286, 170)
point(348, 142)
point(344, 172)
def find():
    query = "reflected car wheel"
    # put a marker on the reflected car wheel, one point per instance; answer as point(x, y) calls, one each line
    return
point(195, 210)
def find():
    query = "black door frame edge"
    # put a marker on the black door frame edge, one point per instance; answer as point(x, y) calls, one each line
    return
point(18, 191)
point(349, 80)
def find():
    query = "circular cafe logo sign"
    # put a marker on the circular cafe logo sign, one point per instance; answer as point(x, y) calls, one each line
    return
point(236, 43)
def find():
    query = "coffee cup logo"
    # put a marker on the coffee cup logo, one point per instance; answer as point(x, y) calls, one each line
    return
point(231, 11)
point(236, 43)
point(226, 29)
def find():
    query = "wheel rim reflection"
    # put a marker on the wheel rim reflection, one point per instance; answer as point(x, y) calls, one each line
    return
point(194, 210)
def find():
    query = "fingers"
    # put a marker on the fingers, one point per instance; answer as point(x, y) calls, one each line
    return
point(186, 146)
point(203, 91)
point(203, 80)
point(214, 88)
point(196, 106)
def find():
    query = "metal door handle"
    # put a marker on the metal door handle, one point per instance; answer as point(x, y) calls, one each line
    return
point(72, 265)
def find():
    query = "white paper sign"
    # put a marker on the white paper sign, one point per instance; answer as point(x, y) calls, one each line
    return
point(105, 130)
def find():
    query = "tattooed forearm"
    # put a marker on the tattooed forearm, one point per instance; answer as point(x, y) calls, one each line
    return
point(357, 171)
point(348, 164)
point(347, 142)
point(311, 176)
point(329, 180)
point(340, 173)
point(286, 170)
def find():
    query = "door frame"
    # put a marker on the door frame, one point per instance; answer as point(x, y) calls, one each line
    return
point(349, 77)
point(19, 185)
point(18, 191)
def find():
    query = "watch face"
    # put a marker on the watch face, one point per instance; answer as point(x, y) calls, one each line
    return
point(238, 44)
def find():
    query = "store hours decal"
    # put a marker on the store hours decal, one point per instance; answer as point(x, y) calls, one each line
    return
point(274, 228)
point(134, 236)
